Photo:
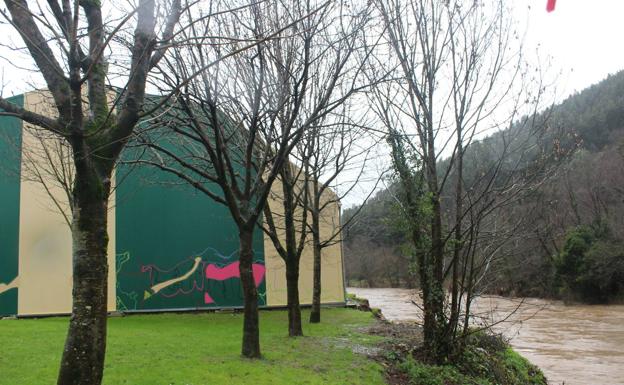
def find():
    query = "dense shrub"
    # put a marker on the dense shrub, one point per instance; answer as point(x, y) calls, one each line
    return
point(485, 360)
point(591, 265)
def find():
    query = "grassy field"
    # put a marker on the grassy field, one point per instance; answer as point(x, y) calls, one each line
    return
point(185, 349)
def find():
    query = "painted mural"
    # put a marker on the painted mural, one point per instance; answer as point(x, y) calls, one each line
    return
point(176, 247)
point(208, 279)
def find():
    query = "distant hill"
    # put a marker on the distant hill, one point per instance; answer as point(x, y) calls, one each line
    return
point(585, 191)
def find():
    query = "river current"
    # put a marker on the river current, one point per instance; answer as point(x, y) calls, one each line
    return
point(572, 344)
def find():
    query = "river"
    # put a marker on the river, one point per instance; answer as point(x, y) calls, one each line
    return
point(573, 345)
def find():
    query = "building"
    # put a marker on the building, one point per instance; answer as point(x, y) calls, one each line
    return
point(170, 248)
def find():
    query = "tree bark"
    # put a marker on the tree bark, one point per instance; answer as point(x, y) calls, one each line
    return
point(315, 314)
point(438, 345)
point(251, 328)
point(426, 278)
point(85, 347)
point(292, 252)
point(457, 246)
point(294, 309)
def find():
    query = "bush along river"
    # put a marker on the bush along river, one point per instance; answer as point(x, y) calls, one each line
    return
point(572, 344)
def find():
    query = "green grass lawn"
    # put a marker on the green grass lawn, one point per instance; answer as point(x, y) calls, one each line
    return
point(184, 349)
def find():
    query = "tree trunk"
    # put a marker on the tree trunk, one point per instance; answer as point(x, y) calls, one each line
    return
point(315, 314)
point(436, 287)
point(85, 347)
point(457, 245)
point(251, 329)
point(294, 310)
point(426, 278)
point(291, 254)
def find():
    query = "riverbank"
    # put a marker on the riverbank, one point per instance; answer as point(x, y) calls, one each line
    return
point(486, 359)
point(575, 345)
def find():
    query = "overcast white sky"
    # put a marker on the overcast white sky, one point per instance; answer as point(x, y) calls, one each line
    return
point(580, 41)
point(581, 37)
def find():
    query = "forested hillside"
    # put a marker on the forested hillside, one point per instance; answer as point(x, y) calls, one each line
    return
point(567, 229)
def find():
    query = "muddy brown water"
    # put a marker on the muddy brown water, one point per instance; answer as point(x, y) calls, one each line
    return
point(573, 345)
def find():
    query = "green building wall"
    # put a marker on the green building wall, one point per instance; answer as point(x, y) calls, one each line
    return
point(167, 231)
point(10, 141)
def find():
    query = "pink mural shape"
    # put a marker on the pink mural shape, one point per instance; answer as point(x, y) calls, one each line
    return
point(231, 271)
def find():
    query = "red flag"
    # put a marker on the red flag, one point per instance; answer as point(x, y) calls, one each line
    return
point(550, 6)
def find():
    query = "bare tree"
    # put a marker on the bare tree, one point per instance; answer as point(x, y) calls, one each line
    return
point(336, 145)
point(287, 230)
point(69, 43)
point(230, 131)
point(336, 59)
point(458, 74)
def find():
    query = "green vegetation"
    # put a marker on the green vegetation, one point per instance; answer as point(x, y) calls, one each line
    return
point(200, 349)
point(352, 297)
point(204, 348)
point(486, 360)
point(591, 265)
point(423, 374)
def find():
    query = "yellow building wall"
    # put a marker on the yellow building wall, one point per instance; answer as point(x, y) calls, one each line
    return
point(332, 278)
point(45, 243)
